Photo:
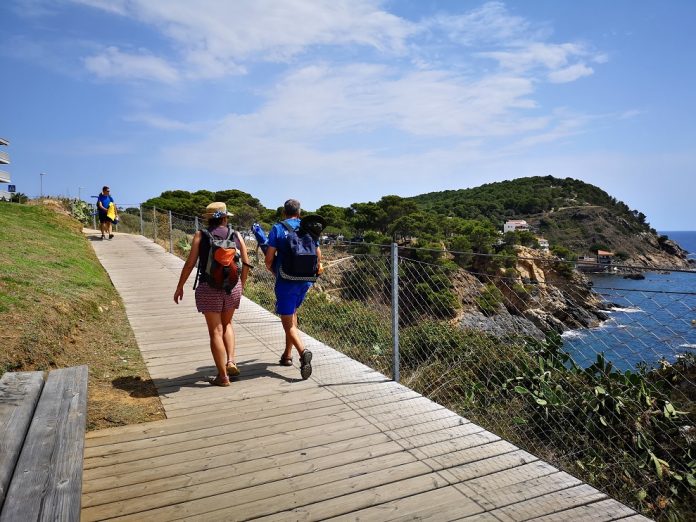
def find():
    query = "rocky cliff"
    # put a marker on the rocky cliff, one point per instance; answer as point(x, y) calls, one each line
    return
point(540, 295)
point(584, 228)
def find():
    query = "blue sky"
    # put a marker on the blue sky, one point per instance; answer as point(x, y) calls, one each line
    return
point(340, 101)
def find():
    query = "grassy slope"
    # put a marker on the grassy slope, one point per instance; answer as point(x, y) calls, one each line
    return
point(58, 308)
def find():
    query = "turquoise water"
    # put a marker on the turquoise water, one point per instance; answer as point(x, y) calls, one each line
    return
point(653, 320)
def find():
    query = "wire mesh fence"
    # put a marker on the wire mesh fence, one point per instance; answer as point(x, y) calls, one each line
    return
point(594, 373)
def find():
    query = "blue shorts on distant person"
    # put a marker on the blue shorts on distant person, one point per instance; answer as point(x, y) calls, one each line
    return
point(289, 297)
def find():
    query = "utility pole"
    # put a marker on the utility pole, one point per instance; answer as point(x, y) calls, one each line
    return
point(79, 193)
point(41, 177)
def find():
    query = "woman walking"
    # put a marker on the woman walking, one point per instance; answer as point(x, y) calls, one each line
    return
point(216, 304)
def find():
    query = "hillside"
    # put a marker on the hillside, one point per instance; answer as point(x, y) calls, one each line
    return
point(568, 212)
point(58, 308)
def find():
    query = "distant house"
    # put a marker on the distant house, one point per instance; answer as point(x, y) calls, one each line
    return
point(604, 257)
point(543, 244)
point(515, 224)
point(588, 264)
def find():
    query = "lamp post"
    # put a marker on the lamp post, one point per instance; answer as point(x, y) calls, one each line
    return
point(79, 193)
point(41, 178)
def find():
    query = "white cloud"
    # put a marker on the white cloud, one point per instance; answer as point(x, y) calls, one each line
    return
point(321, 100)
point(537, 54)
point(110, 6)
point(570, 74)
point(490, 23)
point(215, 38)
point(112, 63)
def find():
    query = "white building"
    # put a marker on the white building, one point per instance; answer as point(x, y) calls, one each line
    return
point(4, 176)
point(515, 224)
point(543, 244)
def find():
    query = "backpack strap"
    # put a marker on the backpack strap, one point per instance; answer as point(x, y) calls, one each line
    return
point(288, 226)
point(205, 233)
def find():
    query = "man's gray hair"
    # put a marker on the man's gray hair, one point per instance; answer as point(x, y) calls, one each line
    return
point(291, 207)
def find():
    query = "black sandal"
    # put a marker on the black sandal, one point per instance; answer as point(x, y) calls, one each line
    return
point(285, 361)
point(305, 364)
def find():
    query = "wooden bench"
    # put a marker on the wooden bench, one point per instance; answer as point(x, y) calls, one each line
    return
point(42, 436)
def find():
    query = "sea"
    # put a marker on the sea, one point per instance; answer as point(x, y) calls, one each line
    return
point(654, 319)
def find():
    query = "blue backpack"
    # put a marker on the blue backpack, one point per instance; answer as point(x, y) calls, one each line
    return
point(260, 236)
point(300, 259)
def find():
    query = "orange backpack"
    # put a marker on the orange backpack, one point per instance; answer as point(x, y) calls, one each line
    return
point(224, 263)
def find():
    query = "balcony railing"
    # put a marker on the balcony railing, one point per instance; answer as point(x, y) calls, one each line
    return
point(5, 177)
point(4, 158)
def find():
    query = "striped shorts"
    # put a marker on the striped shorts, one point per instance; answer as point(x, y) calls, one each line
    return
point(215, 300)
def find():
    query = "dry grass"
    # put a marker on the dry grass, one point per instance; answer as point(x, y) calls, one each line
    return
point(58, 308)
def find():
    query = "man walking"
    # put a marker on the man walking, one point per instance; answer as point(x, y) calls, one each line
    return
point(289, 293)
point(104, 201)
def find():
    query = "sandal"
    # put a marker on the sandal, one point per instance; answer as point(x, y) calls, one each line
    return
point(305, 365)
point(218, 381)
point(232, 370)
point(285, 361)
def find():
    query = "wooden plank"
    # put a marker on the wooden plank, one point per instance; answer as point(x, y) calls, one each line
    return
point(260, 470)
point(511, 492)
point(446, 503)
point(47, 481)
point(326, 502)
point(138, 457)
point(549, 503)
point(174, 442)
point(258, 410)
point(246, 456)
point(477, 467)
point(19, 393)
point(225, 443)
point(259, 485)
point(602, 511)
point(270, 408)
point(277, 446)
point(280, 498)
point(391, 478)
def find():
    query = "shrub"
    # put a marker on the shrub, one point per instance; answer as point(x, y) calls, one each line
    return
point(490, 299)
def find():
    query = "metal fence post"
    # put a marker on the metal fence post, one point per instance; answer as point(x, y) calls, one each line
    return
point(395, 311)
point(171, 239)
point(196, 225)
point(94, 219)
point(142, 227)
point(154, 224)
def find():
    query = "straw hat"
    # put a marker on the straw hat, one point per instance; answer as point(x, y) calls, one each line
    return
point(216, 209)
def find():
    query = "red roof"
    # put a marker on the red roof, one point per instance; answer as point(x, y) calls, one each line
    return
point(604, 253)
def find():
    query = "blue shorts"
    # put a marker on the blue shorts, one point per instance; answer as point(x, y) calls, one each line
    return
point(289, 297)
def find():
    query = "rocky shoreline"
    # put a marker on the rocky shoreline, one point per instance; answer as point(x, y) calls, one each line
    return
point(539, 299)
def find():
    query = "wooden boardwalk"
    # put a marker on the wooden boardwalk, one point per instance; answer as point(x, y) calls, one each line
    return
point(347, 444)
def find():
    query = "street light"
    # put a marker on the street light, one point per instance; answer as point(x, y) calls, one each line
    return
point(41, 177)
